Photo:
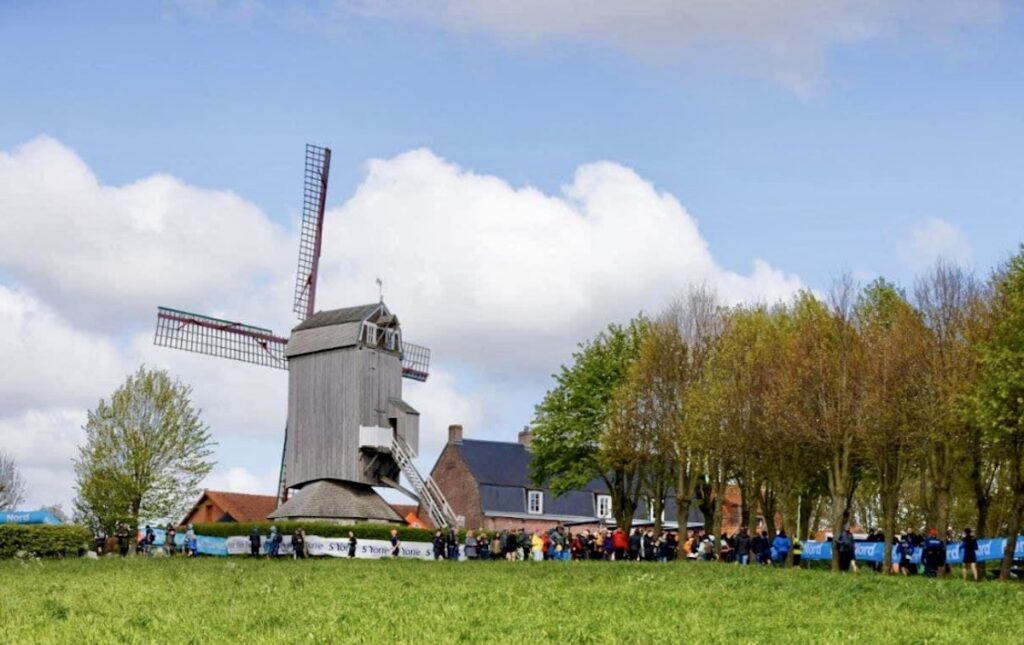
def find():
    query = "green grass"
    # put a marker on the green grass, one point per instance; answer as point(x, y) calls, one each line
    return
point(219, 600)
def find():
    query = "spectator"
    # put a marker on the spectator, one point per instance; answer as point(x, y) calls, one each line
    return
point(471, 552)
point(299, 544)
point(619, 543)
point(847, 548)
point(148, 539)
point(170, 533)
point(798, 551)
point(969, 548)
point(396, 544)
point(352, 543)
point(254, 541)
point(781, 544)
point(933, 553)
point(742, 542)
point(451, 543)
point(497, 547)
point(192, 543)
point(511, 546)
point(439, 545)
point(122, 538)
point(524, 545)
point(635, 544)
point(905, 551)
point(483, 545)
point(101, 541)
point(537, 546)
point(647, 546)
point(762, 548)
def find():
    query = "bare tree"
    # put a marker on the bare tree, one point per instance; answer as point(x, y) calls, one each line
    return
point(12, 486)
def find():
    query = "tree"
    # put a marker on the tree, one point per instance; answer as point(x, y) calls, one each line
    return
point(947, 298)
point(146, 451)
point(699, 319)
point(12, 486)
point(998, 396)
point(649, 407)
point(571, 422)
point(894, 339)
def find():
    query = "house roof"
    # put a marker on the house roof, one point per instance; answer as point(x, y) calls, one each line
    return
point(242, 507)
point(330, 317)
point(502, 472)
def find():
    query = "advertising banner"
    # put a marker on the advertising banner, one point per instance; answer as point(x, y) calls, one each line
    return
point(315, 546)
point(988, 550)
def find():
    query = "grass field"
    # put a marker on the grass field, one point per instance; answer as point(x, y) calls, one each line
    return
point(215, 600)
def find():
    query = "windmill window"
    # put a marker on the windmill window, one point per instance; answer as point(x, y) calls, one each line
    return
point(535, 502)
point(604, 506)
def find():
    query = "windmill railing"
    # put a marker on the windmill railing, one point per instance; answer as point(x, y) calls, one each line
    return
point(441, 513)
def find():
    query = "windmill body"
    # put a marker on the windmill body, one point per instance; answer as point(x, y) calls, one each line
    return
point(348, 428)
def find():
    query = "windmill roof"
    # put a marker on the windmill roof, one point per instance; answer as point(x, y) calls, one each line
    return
point(334, 500)
point(341, 316)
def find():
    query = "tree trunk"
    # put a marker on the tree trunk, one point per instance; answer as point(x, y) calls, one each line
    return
point(719, 493)
point(1016, 512)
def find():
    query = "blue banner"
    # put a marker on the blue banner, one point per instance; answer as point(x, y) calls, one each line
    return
point(28, 517)
point(205, 545)
point(988, 550)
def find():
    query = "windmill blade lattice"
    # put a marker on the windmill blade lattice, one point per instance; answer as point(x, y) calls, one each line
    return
point(314, 196)
point(216, 337)
point(415, 361)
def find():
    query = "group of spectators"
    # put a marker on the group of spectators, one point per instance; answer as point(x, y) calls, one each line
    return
point(560, 543)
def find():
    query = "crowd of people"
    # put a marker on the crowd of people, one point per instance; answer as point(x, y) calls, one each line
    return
point(561, 543)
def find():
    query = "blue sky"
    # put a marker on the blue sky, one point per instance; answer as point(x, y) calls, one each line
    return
point(889, 149)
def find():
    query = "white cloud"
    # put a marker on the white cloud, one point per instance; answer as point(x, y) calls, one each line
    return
point(505, 278)
point(43, 444)
point(47, 361)
point(115, 251)
point(787, 40)
point(501, 281)
point(933, 239)
point(240, 480)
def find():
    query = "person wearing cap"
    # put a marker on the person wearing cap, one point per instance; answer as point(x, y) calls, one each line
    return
point(933, 553)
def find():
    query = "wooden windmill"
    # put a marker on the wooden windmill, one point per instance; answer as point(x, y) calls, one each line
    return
point(348, 428)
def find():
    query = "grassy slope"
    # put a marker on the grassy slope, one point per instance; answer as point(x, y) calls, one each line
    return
point(328, 600)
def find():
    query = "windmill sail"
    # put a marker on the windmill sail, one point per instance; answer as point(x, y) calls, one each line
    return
point(415, 361)
point(216, 337)
point(314, 195)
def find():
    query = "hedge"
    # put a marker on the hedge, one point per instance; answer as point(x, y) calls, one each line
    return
point(321, 529)
point(44, 540)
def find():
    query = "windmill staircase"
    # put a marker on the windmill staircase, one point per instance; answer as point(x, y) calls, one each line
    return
point(429, 495)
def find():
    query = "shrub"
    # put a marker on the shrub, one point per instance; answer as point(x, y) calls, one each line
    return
point(322, 529)
point(43, 540)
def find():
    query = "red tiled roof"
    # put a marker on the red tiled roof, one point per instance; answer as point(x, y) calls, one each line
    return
point(242, 507)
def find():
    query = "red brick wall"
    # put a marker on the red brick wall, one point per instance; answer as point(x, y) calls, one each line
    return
point(453, 477)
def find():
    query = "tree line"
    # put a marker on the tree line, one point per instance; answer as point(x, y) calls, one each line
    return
point(873, 405)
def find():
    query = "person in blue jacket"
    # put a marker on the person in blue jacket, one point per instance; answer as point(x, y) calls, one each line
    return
point(781, 544)
point(933, 554)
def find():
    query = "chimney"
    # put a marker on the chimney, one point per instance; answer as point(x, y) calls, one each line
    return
point(455, 433)
point(525, 436)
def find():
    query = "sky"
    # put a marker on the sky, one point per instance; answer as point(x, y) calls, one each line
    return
point(519, 174)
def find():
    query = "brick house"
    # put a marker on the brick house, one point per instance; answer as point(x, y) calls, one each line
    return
point(222, 506)
point(488, 483)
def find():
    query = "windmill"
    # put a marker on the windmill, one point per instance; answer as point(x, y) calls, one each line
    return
point(348, 428)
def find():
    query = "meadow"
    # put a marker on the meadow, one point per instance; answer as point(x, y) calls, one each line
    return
point(221, 600)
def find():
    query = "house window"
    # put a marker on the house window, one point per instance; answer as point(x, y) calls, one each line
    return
point(604, 506)
point(535, 502)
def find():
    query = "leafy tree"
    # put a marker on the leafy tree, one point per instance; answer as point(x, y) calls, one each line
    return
point(570, 424)
point(998, 397)
point(146, 451)
point(894, 338)
point(12, 486)
point(649, 407)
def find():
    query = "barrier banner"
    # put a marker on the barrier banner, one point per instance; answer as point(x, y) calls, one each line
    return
point(315, 546)
point(988, 550)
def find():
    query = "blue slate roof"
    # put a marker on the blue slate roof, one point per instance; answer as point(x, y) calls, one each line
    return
point(502, 472)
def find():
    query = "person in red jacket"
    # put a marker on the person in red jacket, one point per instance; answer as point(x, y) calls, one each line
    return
point(620, 542)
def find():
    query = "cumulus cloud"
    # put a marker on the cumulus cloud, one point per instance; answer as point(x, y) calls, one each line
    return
point(787, 40)
point(509, 278)
point(116, 250)
point(47, 361)
point(934, 239)
point(501, 281)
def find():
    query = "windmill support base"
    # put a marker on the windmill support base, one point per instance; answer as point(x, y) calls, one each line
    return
point(333, 500)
